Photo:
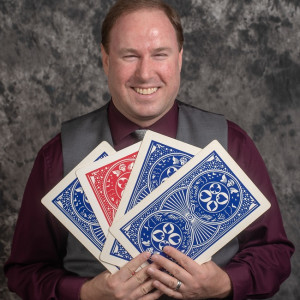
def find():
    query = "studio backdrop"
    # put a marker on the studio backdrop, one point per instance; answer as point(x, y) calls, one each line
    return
point(241, 59)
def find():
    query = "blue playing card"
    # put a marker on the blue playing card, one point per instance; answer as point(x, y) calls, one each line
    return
point(69, 204)
point(199, 209)
point(73, 203)
point(161, 161)
point(159, 158)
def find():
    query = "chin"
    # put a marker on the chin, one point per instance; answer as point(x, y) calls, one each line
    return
point(148, 115)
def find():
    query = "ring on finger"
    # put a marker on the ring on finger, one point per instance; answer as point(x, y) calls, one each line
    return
point(179, 283)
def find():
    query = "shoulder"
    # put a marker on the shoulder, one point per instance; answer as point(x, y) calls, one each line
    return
point(239, 142)
point(52, 148)
point(236, 131)
point(88, 117)
point(191, 108)
point(200, 127)
point(244, 151)
point(205, 118)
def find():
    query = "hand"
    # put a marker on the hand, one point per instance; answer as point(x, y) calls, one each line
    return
point(198, 281)
point(124, 284)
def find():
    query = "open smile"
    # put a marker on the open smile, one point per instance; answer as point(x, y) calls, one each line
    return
point(147, 91)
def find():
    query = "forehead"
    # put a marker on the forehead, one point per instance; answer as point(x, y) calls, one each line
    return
point(143, 26)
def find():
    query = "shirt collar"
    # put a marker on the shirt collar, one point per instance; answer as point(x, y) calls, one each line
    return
point(121, 127)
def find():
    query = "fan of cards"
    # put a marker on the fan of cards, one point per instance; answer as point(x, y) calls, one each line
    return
point(155, 193)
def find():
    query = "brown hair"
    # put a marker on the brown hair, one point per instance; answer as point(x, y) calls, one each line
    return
point(122, 7)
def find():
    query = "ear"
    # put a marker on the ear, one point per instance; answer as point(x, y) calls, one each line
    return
point(180, 58)
point(105, 60)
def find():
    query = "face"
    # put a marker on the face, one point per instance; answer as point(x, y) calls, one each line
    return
point(143, 65)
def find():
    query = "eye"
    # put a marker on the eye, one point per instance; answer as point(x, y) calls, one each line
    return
point(130, 57)
point(161, 55)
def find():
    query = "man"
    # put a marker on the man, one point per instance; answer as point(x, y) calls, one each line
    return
point(142, 57)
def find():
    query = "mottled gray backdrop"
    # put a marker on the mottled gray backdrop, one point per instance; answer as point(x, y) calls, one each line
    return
point(241, 58)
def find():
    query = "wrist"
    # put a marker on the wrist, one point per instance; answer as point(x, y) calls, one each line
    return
point(226, 287)
point(83, 294)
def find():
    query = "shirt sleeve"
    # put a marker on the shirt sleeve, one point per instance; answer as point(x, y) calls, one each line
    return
point(263, 260)
point(35, 266)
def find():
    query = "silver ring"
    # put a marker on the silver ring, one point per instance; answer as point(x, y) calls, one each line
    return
point(179, 283)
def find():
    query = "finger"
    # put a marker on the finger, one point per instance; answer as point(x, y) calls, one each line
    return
point(142, 289)
point(156, 294)
point(141, 276)
point(129, 269)
point(171, 267)
point(172, 293)
point(167, 280)
point(183, 260)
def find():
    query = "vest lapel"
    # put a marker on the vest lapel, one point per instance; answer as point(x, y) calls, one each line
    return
point(199, 127)
point(81, 135)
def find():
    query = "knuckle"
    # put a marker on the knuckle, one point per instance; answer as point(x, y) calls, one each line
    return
point(185, 261)
point(139, 278)
point(176, 272)
point(130, 270)
point(196, 286)
point(144, 290)
point(112, 284)
point(172, 284)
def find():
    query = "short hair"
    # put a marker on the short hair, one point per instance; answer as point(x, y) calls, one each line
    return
point(122, 7)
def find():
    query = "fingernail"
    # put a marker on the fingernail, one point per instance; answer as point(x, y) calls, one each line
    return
point(154, 256)
point(165, 249)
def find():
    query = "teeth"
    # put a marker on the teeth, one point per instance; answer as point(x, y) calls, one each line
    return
point(146, 91)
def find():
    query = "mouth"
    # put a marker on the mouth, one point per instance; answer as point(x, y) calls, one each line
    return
point(147, 91)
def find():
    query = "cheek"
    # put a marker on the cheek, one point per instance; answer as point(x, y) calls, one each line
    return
point(121, 73)
point(170, 72)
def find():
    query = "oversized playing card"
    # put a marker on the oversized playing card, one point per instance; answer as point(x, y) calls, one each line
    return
point(68, 203)
point(104, 182)
point(159, 157)
point(198, 210)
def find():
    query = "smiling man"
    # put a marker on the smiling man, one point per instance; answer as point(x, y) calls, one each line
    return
point(142, 48)
point(142, 62)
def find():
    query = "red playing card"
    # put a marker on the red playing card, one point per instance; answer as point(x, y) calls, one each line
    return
point(108, 183)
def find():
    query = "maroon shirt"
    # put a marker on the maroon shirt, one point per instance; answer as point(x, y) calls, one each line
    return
point(35, 267)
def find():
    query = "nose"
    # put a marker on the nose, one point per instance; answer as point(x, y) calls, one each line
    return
point(144, 69)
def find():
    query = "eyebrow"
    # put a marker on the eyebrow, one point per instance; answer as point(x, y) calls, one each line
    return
point(127, 50)
point(162, 49)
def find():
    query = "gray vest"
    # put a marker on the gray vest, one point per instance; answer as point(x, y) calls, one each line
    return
point(81, 135)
